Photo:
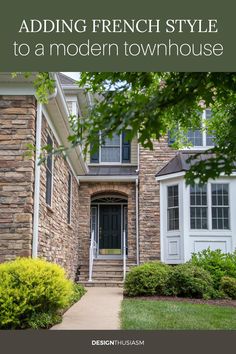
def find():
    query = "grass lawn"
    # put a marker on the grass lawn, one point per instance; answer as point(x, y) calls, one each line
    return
point(147, 314)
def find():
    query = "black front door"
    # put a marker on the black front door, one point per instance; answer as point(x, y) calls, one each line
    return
point(110, 230)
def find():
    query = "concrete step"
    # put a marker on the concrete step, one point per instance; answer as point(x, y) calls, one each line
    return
point(107, 273)
point(107, 276)
point(103, 269)
point(101, 283)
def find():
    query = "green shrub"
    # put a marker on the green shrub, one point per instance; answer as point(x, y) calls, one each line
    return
point(187, 280)
point(147, 279)
point(29, 289)
point(44, 320)
point(78, 292)
point(216, 263)
point(228, 286)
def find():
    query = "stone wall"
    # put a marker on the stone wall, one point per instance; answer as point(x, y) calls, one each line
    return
point(17, 129)
point(149, 198)
point(86, 191)
point(58, 241)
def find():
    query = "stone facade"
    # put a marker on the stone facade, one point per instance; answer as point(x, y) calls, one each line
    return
point(17, 129)
point(86, 192)
point(151, 161)
point(59, 241)
point(67, 245)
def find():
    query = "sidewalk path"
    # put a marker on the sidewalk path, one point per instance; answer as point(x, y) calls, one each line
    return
point(98, 309)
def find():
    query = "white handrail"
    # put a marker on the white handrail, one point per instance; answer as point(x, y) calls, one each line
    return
point(124, 255)
point(92, 249)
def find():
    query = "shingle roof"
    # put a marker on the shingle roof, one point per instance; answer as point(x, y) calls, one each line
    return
point(66, 80)
point(179, 163)
point(112, 171)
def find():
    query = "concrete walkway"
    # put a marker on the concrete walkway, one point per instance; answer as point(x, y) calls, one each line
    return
point(98, 309)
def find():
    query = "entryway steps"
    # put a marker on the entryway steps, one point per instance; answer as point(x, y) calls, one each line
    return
point(100, 283)
point(107, 272)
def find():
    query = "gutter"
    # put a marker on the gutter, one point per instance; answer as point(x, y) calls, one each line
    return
point(37, 176)
point(137, 206)
point(137, 219)
point(65, 115)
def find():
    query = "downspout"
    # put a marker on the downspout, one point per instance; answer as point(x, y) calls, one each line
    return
point(137, 221)
point(37, 176)
point(137, 209)
point(37, 181)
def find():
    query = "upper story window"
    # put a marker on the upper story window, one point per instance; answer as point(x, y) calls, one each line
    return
point(173, 207)
point(115, 150)
point(111, 150)
point(199, 138)
point(49, 173)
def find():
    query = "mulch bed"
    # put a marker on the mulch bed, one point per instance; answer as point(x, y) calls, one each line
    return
point(218, 302)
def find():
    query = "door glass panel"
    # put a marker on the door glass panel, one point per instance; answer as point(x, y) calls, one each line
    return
point(110, 230)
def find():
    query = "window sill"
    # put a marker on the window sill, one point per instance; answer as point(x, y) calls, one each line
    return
point(111, 164)
point(196, 148)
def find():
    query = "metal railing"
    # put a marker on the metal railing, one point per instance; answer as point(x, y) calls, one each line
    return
point(124, 254)
point(92, 253)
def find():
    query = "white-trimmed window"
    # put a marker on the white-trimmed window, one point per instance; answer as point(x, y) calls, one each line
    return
point(217, 202)
point(115, 150)
point(198, 207)
point(111, 149)
point(201, 138)
point(173, 208)
point(220, 206)
point(69, 206)
point(49, 173)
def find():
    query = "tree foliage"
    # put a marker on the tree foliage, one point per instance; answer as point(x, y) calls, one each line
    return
point(153, 104)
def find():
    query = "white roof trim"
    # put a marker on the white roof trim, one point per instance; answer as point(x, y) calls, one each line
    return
point(181, 174)
point(170, 176)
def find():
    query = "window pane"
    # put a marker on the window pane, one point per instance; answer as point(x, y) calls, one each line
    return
point(209, 135)
point(110, 154)
point(115, 140)
point(220, 205)
point(195, 137)
point(198, 207)
point(172, 208)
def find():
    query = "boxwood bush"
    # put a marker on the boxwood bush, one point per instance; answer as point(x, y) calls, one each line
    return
point(147, 279)
point(218, 264)
point(209, 274)
point(32, 291)
point(228, 286)
point(187, 280)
